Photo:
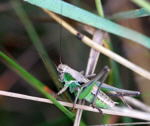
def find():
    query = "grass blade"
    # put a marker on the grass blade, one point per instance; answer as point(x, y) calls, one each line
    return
point(99, 7)
point(33, 82)
point(36, 41)
point(81, 15)
point(131, 14)
point(114, 76)
point(142, 3)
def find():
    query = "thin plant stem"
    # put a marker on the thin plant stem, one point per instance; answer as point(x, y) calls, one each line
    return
point(120, 111)
point(138, 104)
point(142, 3)
point(124, 124)
point(115, 72)
point(136, 13)
point(99, 7)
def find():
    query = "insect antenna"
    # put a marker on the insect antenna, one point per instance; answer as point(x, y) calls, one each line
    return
point(60, 37)
point(55, 65)
point(60, 59)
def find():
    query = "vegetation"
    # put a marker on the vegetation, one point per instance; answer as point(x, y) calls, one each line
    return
point(34, 41)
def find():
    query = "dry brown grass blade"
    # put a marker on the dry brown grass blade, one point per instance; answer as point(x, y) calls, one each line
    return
point(120, 111)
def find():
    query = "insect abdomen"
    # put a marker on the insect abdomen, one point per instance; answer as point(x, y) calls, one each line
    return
point(103, 97)
point(100, 104)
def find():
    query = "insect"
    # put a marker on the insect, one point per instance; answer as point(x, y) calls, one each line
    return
point(89, 90)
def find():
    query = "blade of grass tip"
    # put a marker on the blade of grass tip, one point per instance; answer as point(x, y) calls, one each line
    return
point(142, 3)
point(33, 82)
point(83, 16)
point(35, 40)
point(137, 13)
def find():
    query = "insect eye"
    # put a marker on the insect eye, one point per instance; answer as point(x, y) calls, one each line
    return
point(59, 69)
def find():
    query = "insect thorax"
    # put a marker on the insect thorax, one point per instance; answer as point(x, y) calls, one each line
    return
point(70, 82)
point(62, 68)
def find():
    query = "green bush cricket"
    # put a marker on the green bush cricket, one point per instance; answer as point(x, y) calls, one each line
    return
point(89, 90)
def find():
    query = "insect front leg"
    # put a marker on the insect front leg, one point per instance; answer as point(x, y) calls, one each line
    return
point(62, 90)
point(91, 75)
point(100, 111)
point(79, 90)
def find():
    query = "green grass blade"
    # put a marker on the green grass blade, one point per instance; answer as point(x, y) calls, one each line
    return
point(143, 3)
point(36, 41)
point(33, 82)
point(114, 77)
point(99, 7)
point(81, 15)
point(131, 14)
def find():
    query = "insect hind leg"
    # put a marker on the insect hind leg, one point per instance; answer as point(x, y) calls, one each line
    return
point(90, 76)
point(62, 90)
point(105, 72)
point(99, 109)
